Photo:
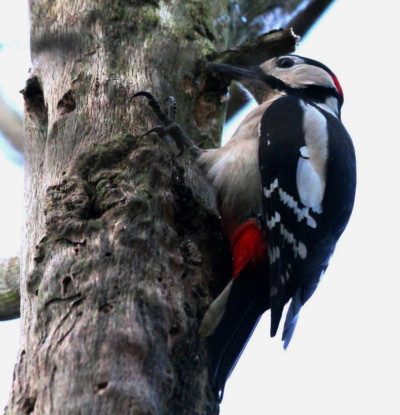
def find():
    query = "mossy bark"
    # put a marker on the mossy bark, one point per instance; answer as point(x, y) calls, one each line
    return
point(121, 241)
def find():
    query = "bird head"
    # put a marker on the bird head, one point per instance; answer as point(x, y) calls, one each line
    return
point(288, 74)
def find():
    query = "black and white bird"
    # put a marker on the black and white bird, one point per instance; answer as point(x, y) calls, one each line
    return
point(285, 185)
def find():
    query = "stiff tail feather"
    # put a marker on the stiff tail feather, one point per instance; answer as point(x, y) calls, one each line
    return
point(242, 309)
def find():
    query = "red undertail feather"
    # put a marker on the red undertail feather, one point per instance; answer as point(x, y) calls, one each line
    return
point(248, 246)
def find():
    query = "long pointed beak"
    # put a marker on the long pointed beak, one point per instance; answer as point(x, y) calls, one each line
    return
point(231, 72)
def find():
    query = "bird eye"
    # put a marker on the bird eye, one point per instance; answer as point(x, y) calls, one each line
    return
point(284, 63)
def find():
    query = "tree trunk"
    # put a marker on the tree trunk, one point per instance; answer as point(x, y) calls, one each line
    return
point(121, 241)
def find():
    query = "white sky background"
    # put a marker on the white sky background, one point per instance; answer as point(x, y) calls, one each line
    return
point(344, 356)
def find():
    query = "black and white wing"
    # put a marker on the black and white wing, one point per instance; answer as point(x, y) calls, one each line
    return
point(301, 227)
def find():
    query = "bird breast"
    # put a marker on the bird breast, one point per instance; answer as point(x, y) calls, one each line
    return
point(233, 170)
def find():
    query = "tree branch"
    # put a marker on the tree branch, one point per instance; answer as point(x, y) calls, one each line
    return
point(260, 16)
point(9, 289)
point(264, 47)
point(11, 126)
point(304, 21)
point(300, 23)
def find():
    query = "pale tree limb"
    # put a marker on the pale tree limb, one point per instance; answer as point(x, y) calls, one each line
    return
point(9, 289)
point(11, 126)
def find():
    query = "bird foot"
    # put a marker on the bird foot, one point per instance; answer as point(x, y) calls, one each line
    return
point(169, 127)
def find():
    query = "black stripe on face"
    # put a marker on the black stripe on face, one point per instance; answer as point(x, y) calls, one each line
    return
point(313, 62)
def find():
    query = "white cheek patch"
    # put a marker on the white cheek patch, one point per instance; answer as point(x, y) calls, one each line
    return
point(311, 167)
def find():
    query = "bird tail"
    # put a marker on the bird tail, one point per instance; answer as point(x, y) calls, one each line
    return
point(291, 318)
point(240, 306)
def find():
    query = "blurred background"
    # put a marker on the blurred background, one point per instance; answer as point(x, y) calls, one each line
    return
point(343, 358)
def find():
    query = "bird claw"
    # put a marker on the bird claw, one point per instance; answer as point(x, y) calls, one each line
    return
point(163, 133)
point(155, 105)
point(159, 130)
point(170, 103)
point(169, 127)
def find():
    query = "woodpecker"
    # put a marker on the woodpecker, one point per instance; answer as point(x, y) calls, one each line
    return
point(285, 185)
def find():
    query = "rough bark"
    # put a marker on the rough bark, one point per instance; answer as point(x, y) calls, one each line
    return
point(122, 241)
point(114, 272)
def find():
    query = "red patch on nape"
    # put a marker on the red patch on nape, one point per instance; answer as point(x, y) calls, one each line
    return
point(248, 246)
point(337, 85)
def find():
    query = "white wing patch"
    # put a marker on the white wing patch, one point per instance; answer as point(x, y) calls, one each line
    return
point(309, 185)
point(311, 167)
